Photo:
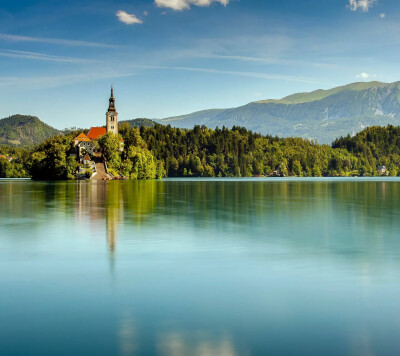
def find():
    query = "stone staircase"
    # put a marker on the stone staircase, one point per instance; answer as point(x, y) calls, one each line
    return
point(100, 168)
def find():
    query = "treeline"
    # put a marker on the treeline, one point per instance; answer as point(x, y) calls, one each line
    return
point(17, 168)
point(374, 146)
point(163, 151)
point(237, 152)
point(48, 161)
point(131, 157)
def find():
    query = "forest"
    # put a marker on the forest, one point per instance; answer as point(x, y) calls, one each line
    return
point(164, 151)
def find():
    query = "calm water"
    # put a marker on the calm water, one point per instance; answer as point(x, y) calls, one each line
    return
point(212, 267)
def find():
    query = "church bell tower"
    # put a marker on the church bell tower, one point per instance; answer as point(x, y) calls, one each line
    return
point(112, 115)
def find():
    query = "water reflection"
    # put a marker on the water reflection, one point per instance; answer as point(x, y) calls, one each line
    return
point(127, 335)
point(211, 267)
point(299, 213)
point(196, 344)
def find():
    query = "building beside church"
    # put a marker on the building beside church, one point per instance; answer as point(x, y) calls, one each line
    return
point(84, 144)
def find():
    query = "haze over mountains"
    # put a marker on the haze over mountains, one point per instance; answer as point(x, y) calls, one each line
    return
point(322, 115)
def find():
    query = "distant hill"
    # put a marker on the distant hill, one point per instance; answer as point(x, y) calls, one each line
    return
point(205, 117)
point(376, 141)
point(322, 115)
point(22, 130)
point(141, 122)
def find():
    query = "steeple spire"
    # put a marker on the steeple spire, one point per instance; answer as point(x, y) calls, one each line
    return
point(111, 107)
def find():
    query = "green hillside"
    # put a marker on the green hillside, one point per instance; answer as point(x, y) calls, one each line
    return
point(200, 117)
point(140, 122)
point(22, 130)
point(375, 145)
point(320, 94)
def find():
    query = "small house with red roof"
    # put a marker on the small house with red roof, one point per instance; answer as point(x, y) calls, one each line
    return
point(84, 144)
point(86, 159)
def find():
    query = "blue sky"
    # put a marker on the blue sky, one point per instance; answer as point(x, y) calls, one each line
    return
point(170, 57)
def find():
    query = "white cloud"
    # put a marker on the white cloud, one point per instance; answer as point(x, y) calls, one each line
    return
point(27, 83)
point(382, 15)
point(39, 56)
point(128, 19)
point(364, 75)
point(145, 13)
point(179, 5)
point(56, 41)
point(236, 73)
point(363, 5)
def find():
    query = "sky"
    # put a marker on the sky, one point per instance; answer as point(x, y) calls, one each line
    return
point(59, 58)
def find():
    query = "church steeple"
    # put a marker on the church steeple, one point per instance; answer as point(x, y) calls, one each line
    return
point(111, 106)
point(112, 115)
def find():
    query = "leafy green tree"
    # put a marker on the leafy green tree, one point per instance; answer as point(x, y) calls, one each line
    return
point(297, 168)
point(49, 160)
point(110, 145)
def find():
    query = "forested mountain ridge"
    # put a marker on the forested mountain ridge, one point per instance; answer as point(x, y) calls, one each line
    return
point(140, 122)
point(377, 145)
point(164, 151)
point(24, 130)
point(321, 115)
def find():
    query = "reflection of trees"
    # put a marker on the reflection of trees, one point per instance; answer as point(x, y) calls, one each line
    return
point(117, 201)
point(351, 221)
point(302, 213)
point(113, 203)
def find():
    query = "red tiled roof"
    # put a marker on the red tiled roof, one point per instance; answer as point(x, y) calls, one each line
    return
point(82, 137)
point(86, 158)
point(96, 132)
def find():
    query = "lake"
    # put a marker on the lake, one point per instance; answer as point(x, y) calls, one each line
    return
point(200, 267)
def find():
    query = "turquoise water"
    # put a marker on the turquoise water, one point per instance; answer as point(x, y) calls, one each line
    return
point(200, 267)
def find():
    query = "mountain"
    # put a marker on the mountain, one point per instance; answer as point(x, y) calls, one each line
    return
point(321, 115)
point(141, 122)
point(22, 130)
point(205, 117)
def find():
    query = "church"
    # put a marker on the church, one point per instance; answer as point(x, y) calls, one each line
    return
point(86, 143)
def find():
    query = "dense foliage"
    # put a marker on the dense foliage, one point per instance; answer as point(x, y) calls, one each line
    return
point(242, 153)
point(135, 161)
point(154, 152)
point(50, 160)
point(140, 122)
point(374, 146)
point(17, 167)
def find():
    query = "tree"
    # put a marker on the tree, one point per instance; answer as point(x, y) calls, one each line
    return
point(49, 160)
point(110, 147)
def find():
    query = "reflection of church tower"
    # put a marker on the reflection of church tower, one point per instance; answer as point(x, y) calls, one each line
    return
point(114, 214)
point(112, 228)
point(112, 115)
